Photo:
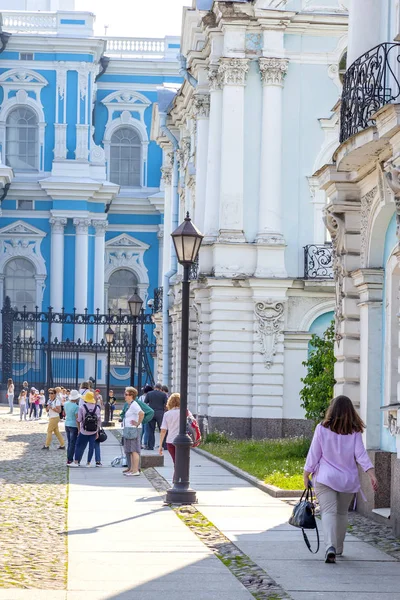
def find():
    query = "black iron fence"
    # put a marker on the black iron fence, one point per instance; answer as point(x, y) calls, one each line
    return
point(47, 348)
point(318, 261)
point(369, 83)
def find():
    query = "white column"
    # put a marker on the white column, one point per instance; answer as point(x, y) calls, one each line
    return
point(365, 18)
point(233, 73)
point(100, 226)
point(202, 113)
point(160, 237)
point(211, 210)
point(57, 269)
point(270, 242)
point(167, 178)
point(81, 270)
point(272, 71)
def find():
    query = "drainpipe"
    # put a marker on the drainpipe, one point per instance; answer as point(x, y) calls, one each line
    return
point(185, 73)
point(174, 263)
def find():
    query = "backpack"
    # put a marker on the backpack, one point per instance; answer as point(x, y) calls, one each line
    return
point(148, 412)
point(193, 430)
point(90, 420)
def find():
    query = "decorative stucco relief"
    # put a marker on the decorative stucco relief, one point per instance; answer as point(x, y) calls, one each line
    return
point(366, 203)
point(393, 179)
point(335, 225)
point(269, 316)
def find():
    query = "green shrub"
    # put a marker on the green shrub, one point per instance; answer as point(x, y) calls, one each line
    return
point(319, 381)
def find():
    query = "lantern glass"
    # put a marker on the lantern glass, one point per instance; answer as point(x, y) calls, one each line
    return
point(109, 335)
point(187, 241)
point(135, 304)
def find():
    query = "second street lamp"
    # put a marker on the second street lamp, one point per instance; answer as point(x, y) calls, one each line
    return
point(135, 306)
point(109, 334)
point(187, 241)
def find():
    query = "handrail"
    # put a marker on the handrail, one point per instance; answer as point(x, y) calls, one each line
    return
point(371, 82)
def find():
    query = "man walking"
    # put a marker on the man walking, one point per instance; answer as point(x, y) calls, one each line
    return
point(157, 400)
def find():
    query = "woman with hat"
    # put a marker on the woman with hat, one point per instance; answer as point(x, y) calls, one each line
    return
point(71, 423)
point(89, 419)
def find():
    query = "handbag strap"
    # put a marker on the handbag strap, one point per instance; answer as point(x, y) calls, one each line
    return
point(307, 541)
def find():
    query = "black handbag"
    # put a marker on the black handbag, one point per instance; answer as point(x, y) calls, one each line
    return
point(102, 436)
point(303, 516)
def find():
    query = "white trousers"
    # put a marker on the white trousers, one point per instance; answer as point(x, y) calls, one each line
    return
point(334, 515)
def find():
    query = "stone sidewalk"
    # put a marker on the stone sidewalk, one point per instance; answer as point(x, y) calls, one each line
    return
point(257, 524)
point(125, 544)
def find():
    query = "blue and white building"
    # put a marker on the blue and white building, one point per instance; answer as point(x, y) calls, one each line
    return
point(250, 126)
point(81, 223)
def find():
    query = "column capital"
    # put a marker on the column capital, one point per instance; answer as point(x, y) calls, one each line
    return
point(214, 78)
point(233, 71)
point(369, 283)
point(100, 226)
point(81, 225)
point(273, 70)
point(201, 106)
point(58, 224)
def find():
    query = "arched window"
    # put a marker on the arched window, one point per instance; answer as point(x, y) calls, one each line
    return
point(122, 285)
point(126, 157)
point(22, 135)
point(20, 283)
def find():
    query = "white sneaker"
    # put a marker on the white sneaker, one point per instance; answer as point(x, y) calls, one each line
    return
point(73, 465)
point(88, 465)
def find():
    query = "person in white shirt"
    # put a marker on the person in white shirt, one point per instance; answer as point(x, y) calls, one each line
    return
point(170, 424)
point(10, 395)
point(42, 402)
point(22, 405)
point(133, 418)
point(53, 409)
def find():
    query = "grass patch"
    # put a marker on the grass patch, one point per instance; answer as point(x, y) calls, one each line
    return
point(277, 462)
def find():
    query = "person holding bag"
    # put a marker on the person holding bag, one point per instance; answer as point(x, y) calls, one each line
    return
point(132, 432)
point(336, 449)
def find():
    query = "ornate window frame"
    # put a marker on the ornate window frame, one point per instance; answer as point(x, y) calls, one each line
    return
point(126, 252)
point(22, 82)
point(127, 102)
point(22, 240)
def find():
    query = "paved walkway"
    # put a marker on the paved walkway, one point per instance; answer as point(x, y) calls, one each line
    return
point(125, 545)
point(257, 524)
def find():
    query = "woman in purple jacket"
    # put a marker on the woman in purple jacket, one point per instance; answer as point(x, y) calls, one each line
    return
point(336, 449)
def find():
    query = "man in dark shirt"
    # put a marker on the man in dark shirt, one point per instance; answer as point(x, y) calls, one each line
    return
point(157, 400)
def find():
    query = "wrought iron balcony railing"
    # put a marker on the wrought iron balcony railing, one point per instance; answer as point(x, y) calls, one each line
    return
point(318, 261)
point(369, 83)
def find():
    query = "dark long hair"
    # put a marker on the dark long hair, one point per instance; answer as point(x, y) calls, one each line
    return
point(342, 418)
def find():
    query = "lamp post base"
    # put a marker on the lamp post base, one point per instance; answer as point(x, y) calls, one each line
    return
point(181, 496)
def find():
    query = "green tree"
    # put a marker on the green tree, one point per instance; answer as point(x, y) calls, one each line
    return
point(319, 381)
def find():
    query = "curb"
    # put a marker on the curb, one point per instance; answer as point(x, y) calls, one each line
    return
point(272, 490)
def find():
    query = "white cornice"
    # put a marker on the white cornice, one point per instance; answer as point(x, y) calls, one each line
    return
point(134, 228)
point(39, 43)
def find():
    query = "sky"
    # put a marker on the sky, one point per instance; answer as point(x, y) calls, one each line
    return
point(136, 18)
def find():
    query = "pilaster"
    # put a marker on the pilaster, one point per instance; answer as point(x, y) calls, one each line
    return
point(81, 270)
point(57, 268)
point(369, 284)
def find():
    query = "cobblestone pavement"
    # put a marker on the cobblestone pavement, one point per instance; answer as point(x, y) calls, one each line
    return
point(33, 507)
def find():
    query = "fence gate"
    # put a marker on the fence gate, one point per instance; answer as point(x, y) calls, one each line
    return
point(47, 349)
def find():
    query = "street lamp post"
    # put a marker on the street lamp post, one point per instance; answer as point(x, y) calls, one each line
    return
point(135, 305)
point(109, 339)
point(187, 241)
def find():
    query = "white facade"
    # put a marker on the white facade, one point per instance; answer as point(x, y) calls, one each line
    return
point(362, 189)
point(252, 128)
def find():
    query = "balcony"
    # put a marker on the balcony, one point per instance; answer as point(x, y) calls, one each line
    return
point(370, 83)
point(80, 24)
point(318, 261)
